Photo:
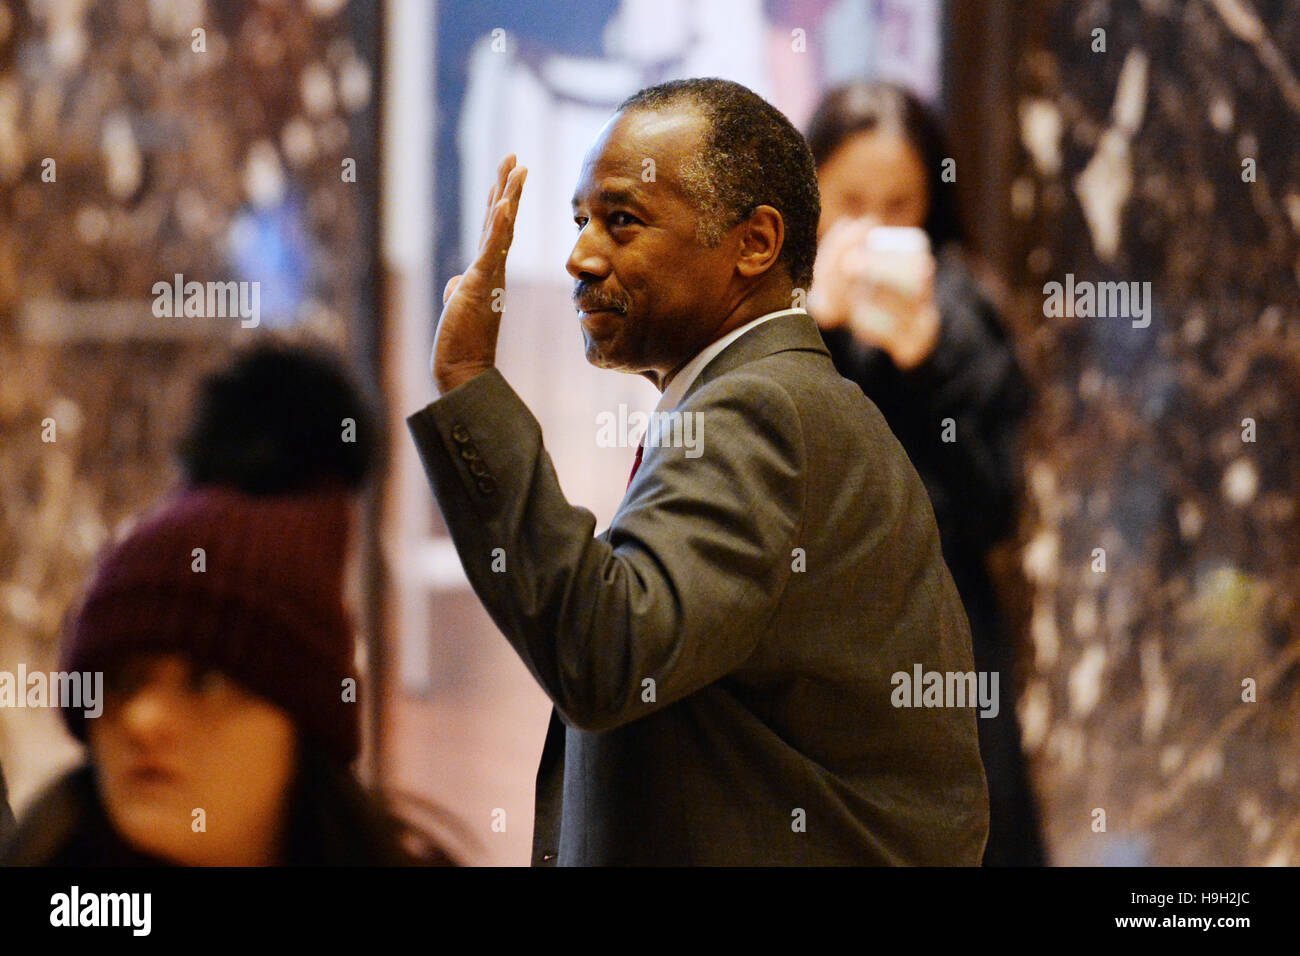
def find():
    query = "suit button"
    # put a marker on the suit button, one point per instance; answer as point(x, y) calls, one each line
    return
point(548, 856)
point(469, 452)
point(477, 468)
point(460, 433)
point(487, 485)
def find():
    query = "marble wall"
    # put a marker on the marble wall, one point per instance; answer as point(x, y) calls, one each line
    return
point(1160, 153)
point(138, 141)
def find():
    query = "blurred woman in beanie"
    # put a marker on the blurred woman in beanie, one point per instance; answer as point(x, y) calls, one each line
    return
point(230, 716)
point(903, 317)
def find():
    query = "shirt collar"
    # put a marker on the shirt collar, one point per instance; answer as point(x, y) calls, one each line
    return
point(681, 382)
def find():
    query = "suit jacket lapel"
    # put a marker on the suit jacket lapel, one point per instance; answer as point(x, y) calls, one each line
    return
point(784, 334)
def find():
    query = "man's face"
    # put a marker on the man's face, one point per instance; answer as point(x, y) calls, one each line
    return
point(637, 258)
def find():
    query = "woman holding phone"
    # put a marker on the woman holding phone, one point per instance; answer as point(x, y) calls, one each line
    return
point(903, 317)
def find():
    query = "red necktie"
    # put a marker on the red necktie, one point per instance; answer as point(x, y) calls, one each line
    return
point(636, 463)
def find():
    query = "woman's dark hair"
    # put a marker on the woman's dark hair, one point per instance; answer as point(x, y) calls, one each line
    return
point(866, 106)
point(335, 821)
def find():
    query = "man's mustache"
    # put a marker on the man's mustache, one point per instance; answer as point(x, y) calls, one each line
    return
point(592, 302)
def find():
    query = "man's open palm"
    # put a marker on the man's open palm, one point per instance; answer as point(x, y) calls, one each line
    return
point(466, 340)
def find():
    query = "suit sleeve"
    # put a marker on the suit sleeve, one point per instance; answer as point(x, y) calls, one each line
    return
point(678, 591)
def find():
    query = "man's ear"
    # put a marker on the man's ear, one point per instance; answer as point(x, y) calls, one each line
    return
point(761, 238)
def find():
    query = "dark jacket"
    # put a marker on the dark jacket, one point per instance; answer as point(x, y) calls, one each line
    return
point(721, 657)
point(971, 377)
point(66, 826)
point(6, 815)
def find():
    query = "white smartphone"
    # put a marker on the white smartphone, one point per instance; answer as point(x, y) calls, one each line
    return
point(898, 239)
point(898, 256)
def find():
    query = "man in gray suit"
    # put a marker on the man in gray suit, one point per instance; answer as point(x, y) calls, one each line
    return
point(724, 659)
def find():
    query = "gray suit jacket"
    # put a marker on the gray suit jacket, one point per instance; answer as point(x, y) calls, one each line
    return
point(721, 656)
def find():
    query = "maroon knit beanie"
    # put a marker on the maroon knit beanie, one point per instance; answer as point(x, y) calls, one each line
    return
point(266, 608)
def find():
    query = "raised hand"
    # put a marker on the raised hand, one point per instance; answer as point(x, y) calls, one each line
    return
point(465, 343)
